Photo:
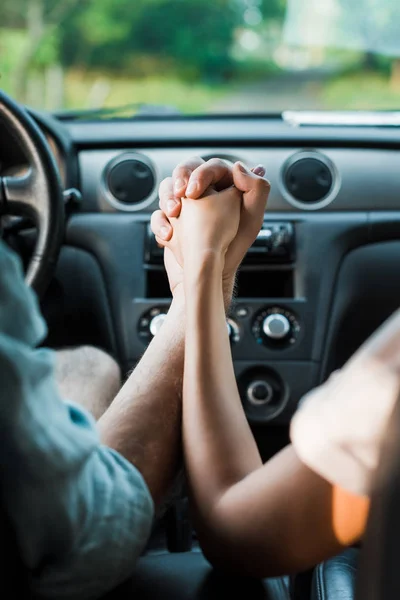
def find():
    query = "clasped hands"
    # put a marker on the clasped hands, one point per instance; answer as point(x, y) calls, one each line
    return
point(209, 209)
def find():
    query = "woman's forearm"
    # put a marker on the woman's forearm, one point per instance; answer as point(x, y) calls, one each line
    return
point(219, 446)
point(260, 520)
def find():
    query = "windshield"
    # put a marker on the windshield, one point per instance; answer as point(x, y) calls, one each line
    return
point(202, 56)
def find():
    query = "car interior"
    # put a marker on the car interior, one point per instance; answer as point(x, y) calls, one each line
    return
point(303, 303)
point(76, 197)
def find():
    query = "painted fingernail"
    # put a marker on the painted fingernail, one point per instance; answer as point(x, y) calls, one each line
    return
point(164, 232)
point(259, 170)
point(179, 184)
point(171, 204)
point(243, 168)
point(192, 188)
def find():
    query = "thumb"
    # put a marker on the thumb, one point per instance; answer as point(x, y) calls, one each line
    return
point(255, 189)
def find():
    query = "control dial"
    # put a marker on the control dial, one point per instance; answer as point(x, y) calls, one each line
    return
point(233, 331)
point(276, 327)
point(260, 392)
point(156, 323)
point(150, 323)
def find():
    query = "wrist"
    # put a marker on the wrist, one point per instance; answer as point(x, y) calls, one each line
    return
point(228, 289)
point(178, 294)
point(203, 264)
point(203, 270)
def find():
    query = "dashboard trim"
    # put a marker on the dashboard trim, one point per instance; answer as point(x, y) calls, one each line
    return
point(336, 179)
point(121, 206)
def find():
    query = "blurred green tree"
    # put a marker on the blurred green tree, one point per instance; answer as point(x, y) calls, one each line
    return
point(40, 19)
point(192, 35)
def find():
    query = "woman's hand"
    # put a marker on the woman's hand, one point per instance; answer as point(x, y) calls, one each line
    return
point(205, 227)
point(219, 174)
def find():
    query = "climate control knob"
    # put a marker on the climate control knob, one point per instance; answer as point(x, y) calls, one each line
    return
point(150, 323)
point(156, 323)
point(276, 326)
point(233, 331)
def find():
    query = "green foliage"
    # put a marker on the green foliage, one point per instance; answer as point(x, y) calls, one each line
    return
point(273, 9)
point(13, 13)
point(48, 51)
point(187, 53)
point(360, 91)
point(11, 43)
point(194, 36)
point(166, 90)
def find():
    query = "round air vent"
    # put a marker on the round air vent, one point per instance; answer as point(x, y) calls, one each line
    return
point(130, 182)
point(310, 180)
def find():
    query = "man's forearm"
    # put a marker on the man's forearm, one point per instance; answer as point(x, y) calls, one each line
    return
point(144, 421)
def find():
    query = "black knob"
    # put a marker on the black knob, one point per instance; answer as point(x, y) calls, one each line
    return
point(260, 392)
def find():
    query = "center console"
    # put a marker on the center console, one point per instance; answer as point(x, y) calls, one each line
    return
point(267, 323)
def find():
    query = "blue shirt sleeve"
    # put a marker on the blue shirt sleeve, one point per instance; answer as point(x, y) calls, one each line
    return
point(81, 513)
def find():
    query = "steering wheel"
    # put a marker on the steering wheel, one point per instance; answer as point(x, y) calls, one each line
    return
point(37, 194)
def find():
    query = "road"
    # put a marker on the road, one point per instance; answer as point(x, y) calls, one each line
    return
point(284, 92)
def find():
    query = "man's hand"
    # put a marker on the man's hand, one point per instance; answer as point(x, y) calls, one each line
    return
point(162, 229)
point(193, 178)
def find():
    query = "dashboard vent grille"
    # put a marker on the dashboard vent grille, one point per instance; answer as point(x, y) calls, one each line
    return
point(130, 181)
point(309, 180)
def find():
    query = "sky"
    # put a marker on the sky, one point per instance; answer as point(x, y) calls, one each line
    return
point(369, 25)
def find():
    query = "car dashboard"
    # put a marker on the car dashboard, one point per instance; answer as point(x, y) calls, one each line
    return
point(321, 276)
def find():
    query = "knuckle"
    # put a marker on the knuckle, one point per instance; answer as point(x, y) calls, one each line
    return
point(156, 217)
point(165, 185)
point(262, 185)
point(165, 190)
point(166, 181)
point(161, 201)
point(153, 226)
point(180, 170)
point(200, 175)
point(218, 163)
point(195, 162)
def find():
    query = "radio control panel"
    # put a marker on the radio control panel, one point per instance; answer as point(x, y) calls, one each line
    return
point(275, 243)
point(268, 323)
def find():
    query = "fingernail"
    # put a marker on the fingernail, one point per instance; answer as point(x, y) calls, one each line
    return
point(171, 204)
point(164, 232)
point(259, 170)
point(192, 188)
point(179, 184)
point(243, 168)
